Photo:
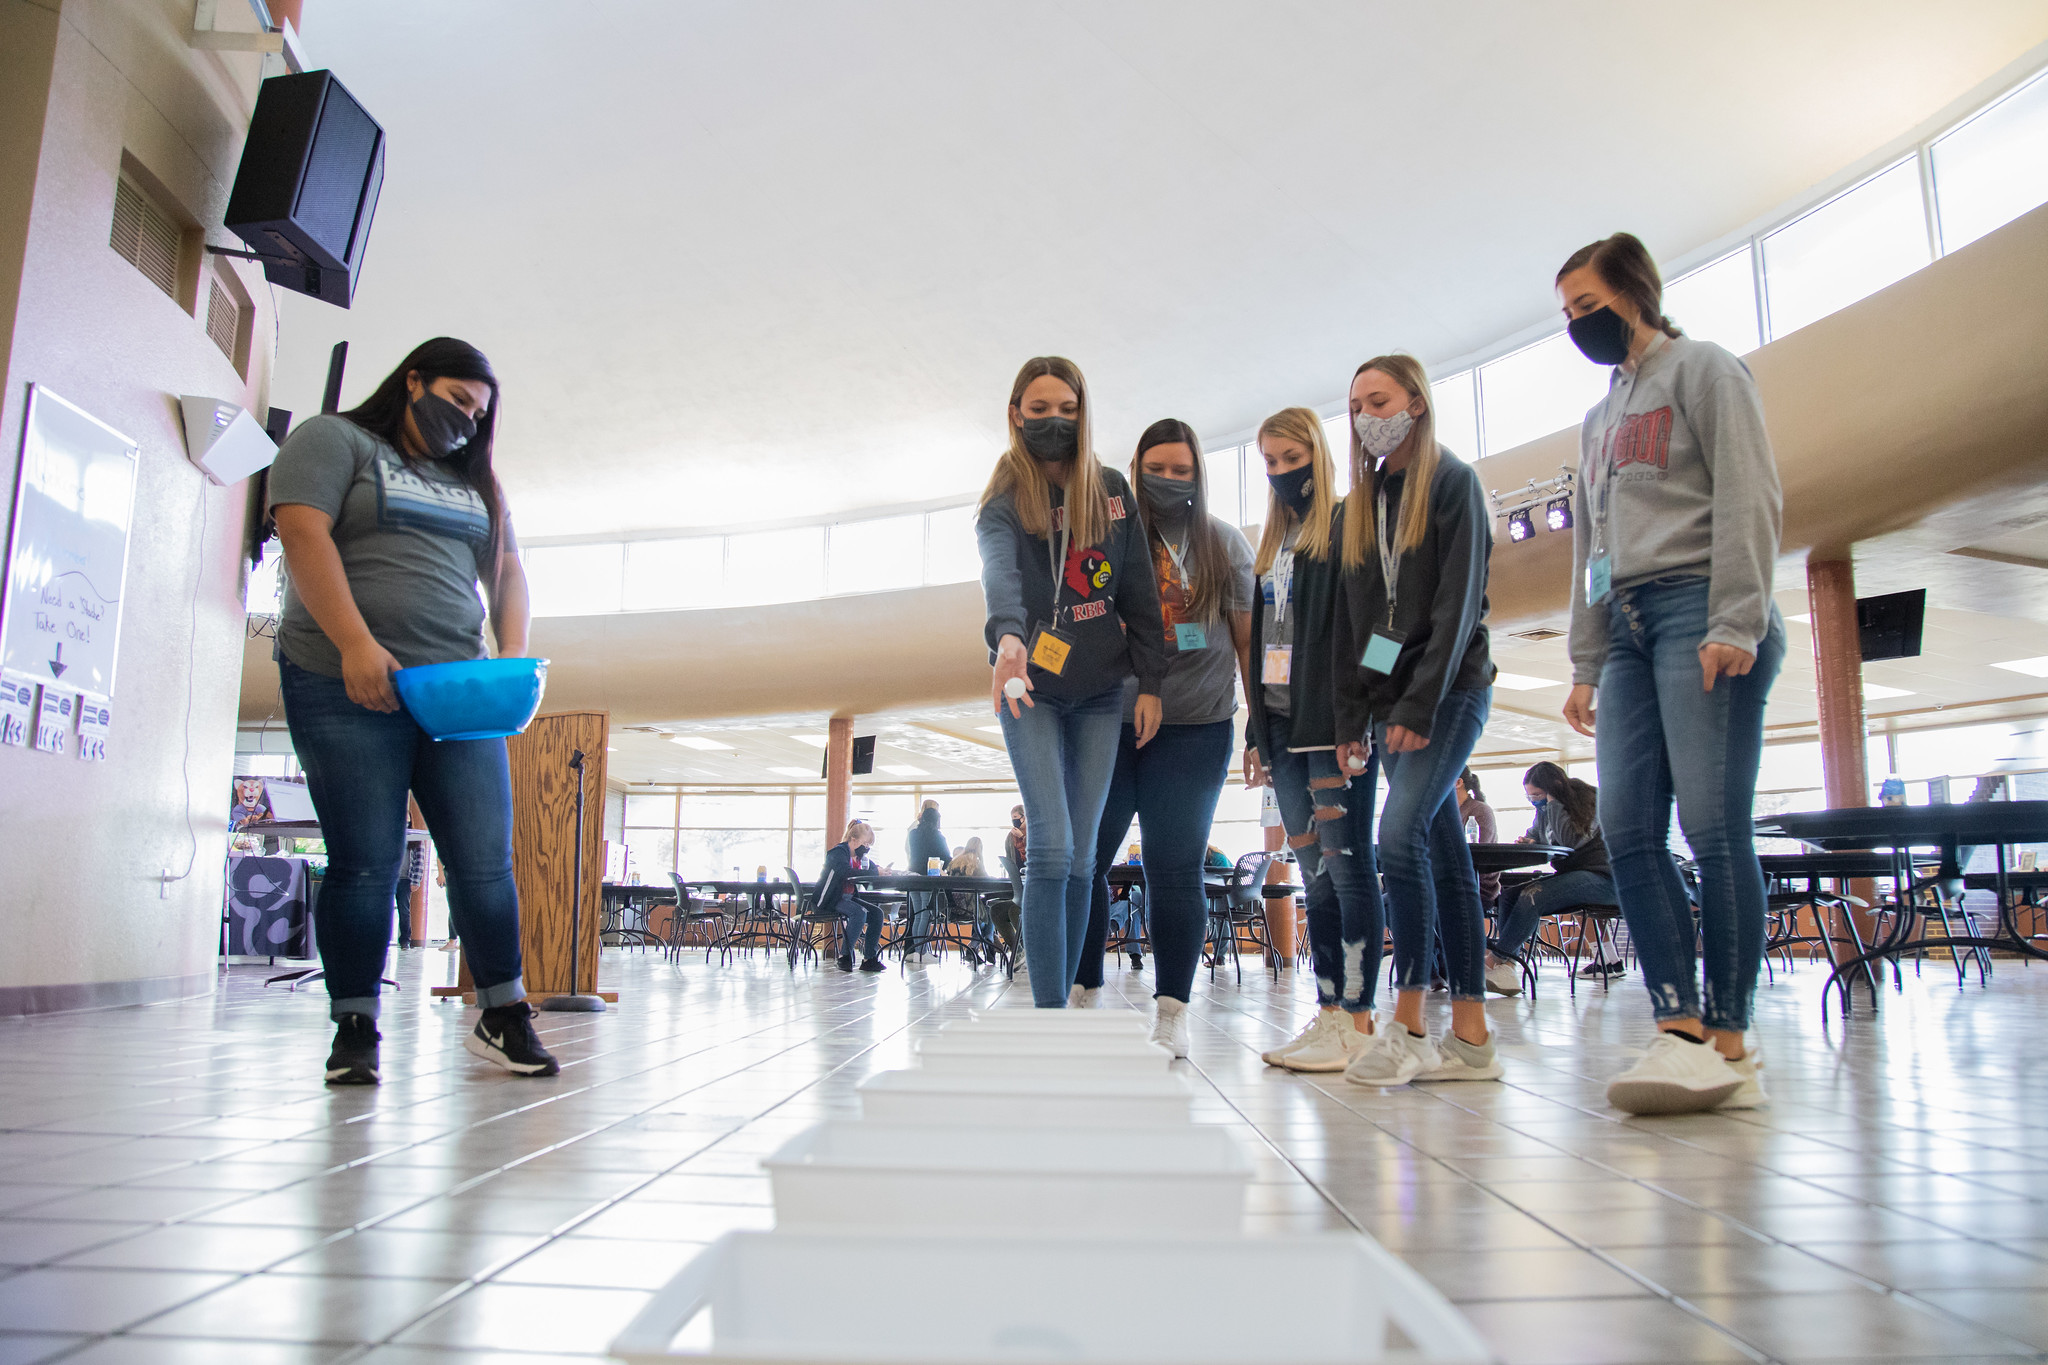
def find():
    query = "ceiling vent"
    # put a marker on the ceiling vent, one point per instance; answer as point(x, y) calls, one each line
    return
point(1538, 635)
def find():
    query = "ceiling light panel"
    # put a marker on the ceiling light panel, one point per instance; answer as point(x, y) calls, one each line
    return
point(804, 773)
point(699, 742)
point(2033, 668)
point(901, 770)
point(1522, 682)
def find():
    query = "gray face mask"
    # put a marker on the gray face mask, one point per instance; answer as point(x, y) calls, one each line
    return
point(1382, 436)
point(1169, 498)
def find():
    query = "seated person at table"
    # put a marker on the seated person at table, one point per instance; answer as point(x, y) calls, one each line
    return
point(1472, 806)
point(1566, 816)
point(925, 843)
point(835, 896)
point(1005, 915)
point(1216, 860)
point(967, 862)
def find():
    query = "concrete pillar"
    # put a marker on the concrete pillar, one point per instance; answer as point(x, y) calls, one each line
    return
point(1838, 680)
point(838, 776)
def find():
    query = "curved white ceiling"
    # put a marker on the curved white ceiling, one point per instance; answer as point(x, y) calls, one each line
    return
point(738, 262)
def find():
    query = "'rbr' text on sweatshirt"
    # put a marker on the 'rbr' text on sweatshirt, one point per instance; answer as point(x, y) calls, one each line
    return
point(1691, 489)
point(1108, 601)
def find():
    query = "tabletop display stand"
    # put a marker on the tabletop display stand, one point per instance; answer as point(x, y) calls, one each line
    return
point(550, 863)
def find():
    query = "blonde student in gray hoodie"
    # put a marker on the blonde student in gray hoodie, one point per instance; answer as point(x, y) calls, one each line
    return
point(1675, 532)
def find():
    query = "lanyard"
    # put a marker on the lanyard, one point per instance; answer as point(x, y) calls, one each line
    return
point(1178, 557)
point(1057, 563)
point(1390, 562)
point(1283, 582)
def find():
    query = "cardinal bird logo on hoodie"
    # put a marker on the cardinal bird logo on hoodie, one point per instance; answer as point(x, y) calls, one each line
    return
point(1087, 571)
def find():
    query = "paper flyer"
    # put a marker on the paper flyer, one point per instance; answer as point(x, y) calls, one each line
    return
point(17, 708)
point(94, 716)
point(54, 710)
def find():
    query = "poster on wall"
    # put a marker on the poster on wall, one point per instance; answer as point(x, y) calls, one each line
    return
point(54, 711)
point(67, 549)
point(17, 708)
point(94, 718)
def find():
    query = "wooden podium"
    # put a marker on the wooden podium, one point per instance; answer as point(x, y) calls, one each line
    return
point(544, 851)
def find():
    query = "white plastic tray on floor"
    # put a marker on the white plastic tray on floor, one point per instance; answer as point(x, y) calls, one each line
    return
point(997, 1053)
point(789, 1298)
point(1013, 1101)
point(1058, 1022)
point(1187, 1178)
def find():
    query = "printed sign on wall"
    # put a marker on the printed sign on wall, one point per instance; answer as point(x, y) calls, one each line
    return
point(67, 555)
point(54, 712)
point(94, 718)
point(17, 708)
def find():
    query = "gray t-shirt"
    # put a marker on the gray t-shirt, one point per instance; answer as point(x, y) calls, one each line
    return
point(412, 540)
point(1200, 687)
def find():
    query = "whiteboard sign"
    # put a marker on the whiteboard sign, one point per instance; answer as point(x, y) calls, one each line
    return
point(67, 549)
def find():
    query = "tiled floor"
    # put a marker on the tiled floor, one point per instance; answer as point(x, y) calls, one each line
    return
point(176, 1184)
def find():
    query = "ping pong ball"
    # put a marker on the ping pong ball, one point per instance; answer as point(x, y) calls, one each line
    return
point(1014, 688)
point(1356, 763)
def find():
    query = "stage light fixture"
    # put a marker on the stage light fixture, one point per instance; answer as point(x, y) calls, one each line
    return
point(1519, 526)
point(1557, 514)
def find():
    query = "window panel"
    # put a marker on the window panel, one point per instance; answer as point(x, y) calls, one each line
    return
point(1455, 399)
point(1226, 484)
point(1717, 303)
point(1993, 168)
point(573, 580)
point(951, 554)
point(1337, 436)
point(1535, 391)
point(1847, 249)
point(655, 810)
point(775, 566)
point(1258, 495)
point(674, 575)
point(878, 555)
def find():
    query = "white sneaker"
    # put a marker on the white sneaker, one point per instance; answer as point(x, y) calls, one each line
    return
point(1458, 1060)
point(1504, 978)
point(1675, 1076)
point(1331, 1050)
point(1394, 1056)
point(1299, 1040)
point(1170, 1025)
point(1081, 997)
point(1751, 1093)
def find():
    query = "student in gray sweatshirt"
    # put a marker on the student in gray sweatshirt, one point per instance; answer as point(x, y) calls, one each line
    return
point(1675, 532)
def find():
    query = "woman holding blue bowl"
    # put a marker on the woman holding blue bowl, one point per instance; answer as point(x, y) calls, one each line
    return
point(391, 519)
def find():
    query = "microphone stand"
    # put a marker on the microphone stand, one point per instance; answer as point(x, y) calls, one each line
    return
point(575, 1002)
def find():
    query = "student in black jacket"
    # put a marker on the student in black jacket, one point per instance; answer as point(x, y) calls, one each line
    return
point(1073, 610)
point(1290, 740)
point(834, 895)
point(1411, 658)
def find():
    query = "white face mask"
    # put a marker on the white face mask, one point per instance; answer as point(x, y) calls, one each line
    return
point(1382, 436)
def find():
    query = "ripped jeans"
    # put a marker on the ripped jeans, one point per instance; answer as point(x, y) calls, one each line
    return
point(1329, 826)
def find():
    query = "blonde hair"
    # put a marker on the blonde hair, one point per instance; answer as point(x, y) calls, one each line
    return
point(1019, 475)
point(1360, 535)
point(1303, 427)
point(856, 828)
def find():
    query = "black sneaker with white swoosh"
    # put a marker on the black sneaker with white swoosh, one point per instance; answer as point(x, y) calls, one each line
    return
point(504, 1037)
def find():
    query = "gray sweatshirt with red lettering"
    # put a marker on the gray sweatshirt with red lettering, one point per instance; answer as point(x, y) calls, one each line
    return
point(1691, 491)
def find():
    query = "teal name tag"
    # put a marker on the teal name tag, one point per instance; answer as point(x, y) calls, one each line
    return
point(1382, 652)
point(1190, 637)
point(1599, 579)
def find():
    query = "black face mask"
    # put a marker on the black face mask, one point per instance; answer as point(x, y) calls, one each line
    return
point(1016, 823)
point(1052, 439)
point(1601, 336)
point(1295, 489)
point(861, 851)
point(444, 428)
point(1169, 499)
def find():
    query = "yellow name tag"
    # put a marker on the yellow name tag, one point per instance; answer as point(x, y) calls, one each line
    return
point(1279, 663)
point(1050, 652)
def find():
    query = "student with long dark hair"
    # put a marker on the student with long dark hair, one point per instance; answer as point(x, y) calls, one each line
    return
point(1291, 741)
point(1412, 661)
point(1073, 611)
point(391, 518)
point(1203, 566)
point(1567, 816)
point(1674, 537)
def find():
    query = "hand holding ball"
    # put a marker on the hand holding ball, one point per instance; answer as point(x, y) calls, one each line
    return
point(1013, 687)
point(1356, 763)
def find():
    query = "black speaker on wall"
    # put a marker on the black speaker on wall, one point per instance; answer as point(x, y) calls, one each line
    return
point(307, 187)
point(1889, 627)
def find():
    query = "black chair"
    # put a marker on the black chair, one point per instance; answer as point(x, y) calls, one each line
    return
point(1238, 907)
point(805, 919)
point(691, 911)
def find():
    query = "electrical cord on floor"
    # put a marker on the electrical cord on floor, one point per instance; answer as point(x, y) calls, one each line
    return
point(191, 684)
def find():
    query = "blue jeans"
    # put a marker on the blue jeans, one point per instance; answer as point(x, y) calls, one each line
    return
point(1328, 817)
point(1171, 785)
point(359, 765)
point(1662, 735)
point(1428, 864)
point(1521, 907)
point(858, 912)
point(1062, 753)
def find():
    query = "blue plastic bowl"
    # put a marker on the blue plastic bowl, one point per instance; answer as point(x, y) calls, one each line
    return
point(473, 699)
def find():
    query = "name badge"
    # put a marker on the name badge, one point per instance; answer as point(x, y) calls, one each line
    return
point(1382, 651)
point(1049, 650)
point(1279, 663)
point(1599, 579)
point(1187, 637)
